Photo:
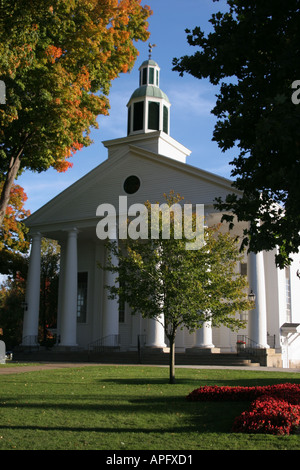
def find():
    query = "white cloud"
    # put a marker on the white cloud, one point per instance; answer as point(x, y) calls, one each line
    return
point(198, 100)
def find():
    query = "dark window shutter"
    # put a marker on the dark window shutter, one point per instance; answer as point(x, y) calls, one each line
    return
point(138, 116)
point(144, 77)
point(129, 121)
point(151, 76)
point(153, 116)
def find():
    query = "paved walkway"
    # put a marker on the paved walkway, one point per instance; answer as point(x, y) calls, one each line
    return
point(60, 365)
point(41, 366)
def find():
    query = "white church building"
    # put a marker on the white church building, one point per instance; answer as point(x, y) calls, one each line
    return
point(143, 166)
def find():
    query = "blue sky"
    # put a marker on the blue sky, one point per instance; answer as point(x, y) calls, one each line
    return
point(191, 121)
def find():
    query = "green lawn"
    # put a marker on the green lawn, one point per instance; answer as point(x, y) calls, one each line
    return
point(128, 408)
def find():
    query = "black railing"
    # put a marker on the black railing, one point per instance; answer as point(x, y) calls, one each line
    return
point(107, 343)
point(247, 346)
point(30, 343)
point(141, 341)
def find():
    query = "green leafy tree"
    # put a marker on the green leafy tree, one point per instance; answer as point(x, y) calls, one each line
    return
point(12, 293)
point(253, 54)
point(188, 287)
point(57, 60)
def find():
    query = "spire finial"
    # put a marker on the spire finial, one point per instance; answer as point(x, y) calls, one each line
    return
point(150, 49)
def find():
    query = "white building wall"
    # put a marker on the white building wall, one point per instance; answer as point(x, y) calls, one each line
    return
point(295, 289)
point(294, 339)
point(275, 296)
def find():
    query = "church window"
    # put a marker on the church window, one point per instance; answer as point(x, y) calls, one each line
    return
point(131, 184)
point(138, 116)
point(243, 269)
point(129, 121)
point(82, 297)
point(157, 81)
point(153, 116)
point(166, 120)
point(244, 316)
point(243, 272)
point(121, 304)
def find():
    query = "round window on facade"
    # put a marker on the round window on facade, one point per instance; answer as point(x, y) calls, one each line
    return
point(131, 184)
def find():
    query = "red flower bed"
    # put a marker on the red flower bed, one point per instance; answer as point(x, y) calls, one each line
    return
point(275, 409)
point(268, 415)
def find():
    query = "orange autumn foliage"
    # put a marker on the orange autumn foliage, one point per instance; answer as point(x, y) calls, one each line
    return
point(13, 232)
point(59, 59)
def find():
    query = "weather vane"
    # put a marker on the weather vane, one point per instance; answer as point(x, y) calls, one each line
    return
point(150, 49)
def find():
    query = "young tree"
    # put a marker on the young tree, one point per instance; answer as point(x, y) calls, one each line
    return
point(57, 60)
point(160, 278)
point(253, 54)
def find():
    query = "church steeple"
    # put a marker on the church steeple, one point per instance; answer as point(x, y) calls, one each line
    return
point(149, 106)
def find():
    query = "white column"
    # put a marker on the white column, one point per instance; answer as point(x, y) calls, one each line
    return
point(68, 322)
point(31, 313)
point(156, 333)
point(60, 305)
point(110, 324)
point(156, 329)
point(204, 337)
point(257, 318)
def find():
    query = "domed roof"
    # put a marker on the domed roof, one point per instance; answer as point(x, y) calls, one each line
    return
point(149, 90)
point(149, 62)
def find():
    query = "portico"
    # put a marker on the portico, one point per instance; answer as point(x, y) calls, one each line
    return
point(105, 319)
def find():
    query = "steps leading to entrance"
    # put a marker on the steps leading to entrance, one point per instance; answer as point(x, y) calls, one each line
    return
point(221, 359)
point(132, 357)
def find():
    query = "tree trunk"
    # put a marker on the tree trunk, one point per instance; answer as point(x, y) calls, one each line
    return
point(11, 175)
point(8, 183)
point(172, 359)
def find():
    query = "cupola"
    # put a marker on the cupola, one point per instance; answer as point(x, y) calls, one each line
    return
point(149, 106)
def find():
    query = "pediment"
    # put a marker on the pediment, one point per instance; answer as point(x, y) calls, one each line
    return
point(158, 175)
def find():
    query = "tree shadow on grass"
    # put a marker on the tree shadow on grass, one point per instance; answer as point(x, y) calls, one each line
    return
point(204, 417)
point(150, 381)
point(159, 414)
point(198, 382)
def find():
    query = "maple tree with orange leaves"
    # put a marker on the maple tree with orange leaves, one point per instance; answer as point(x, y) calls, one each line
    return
point(14, 242)
point(57, 60)
point(13, 231)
